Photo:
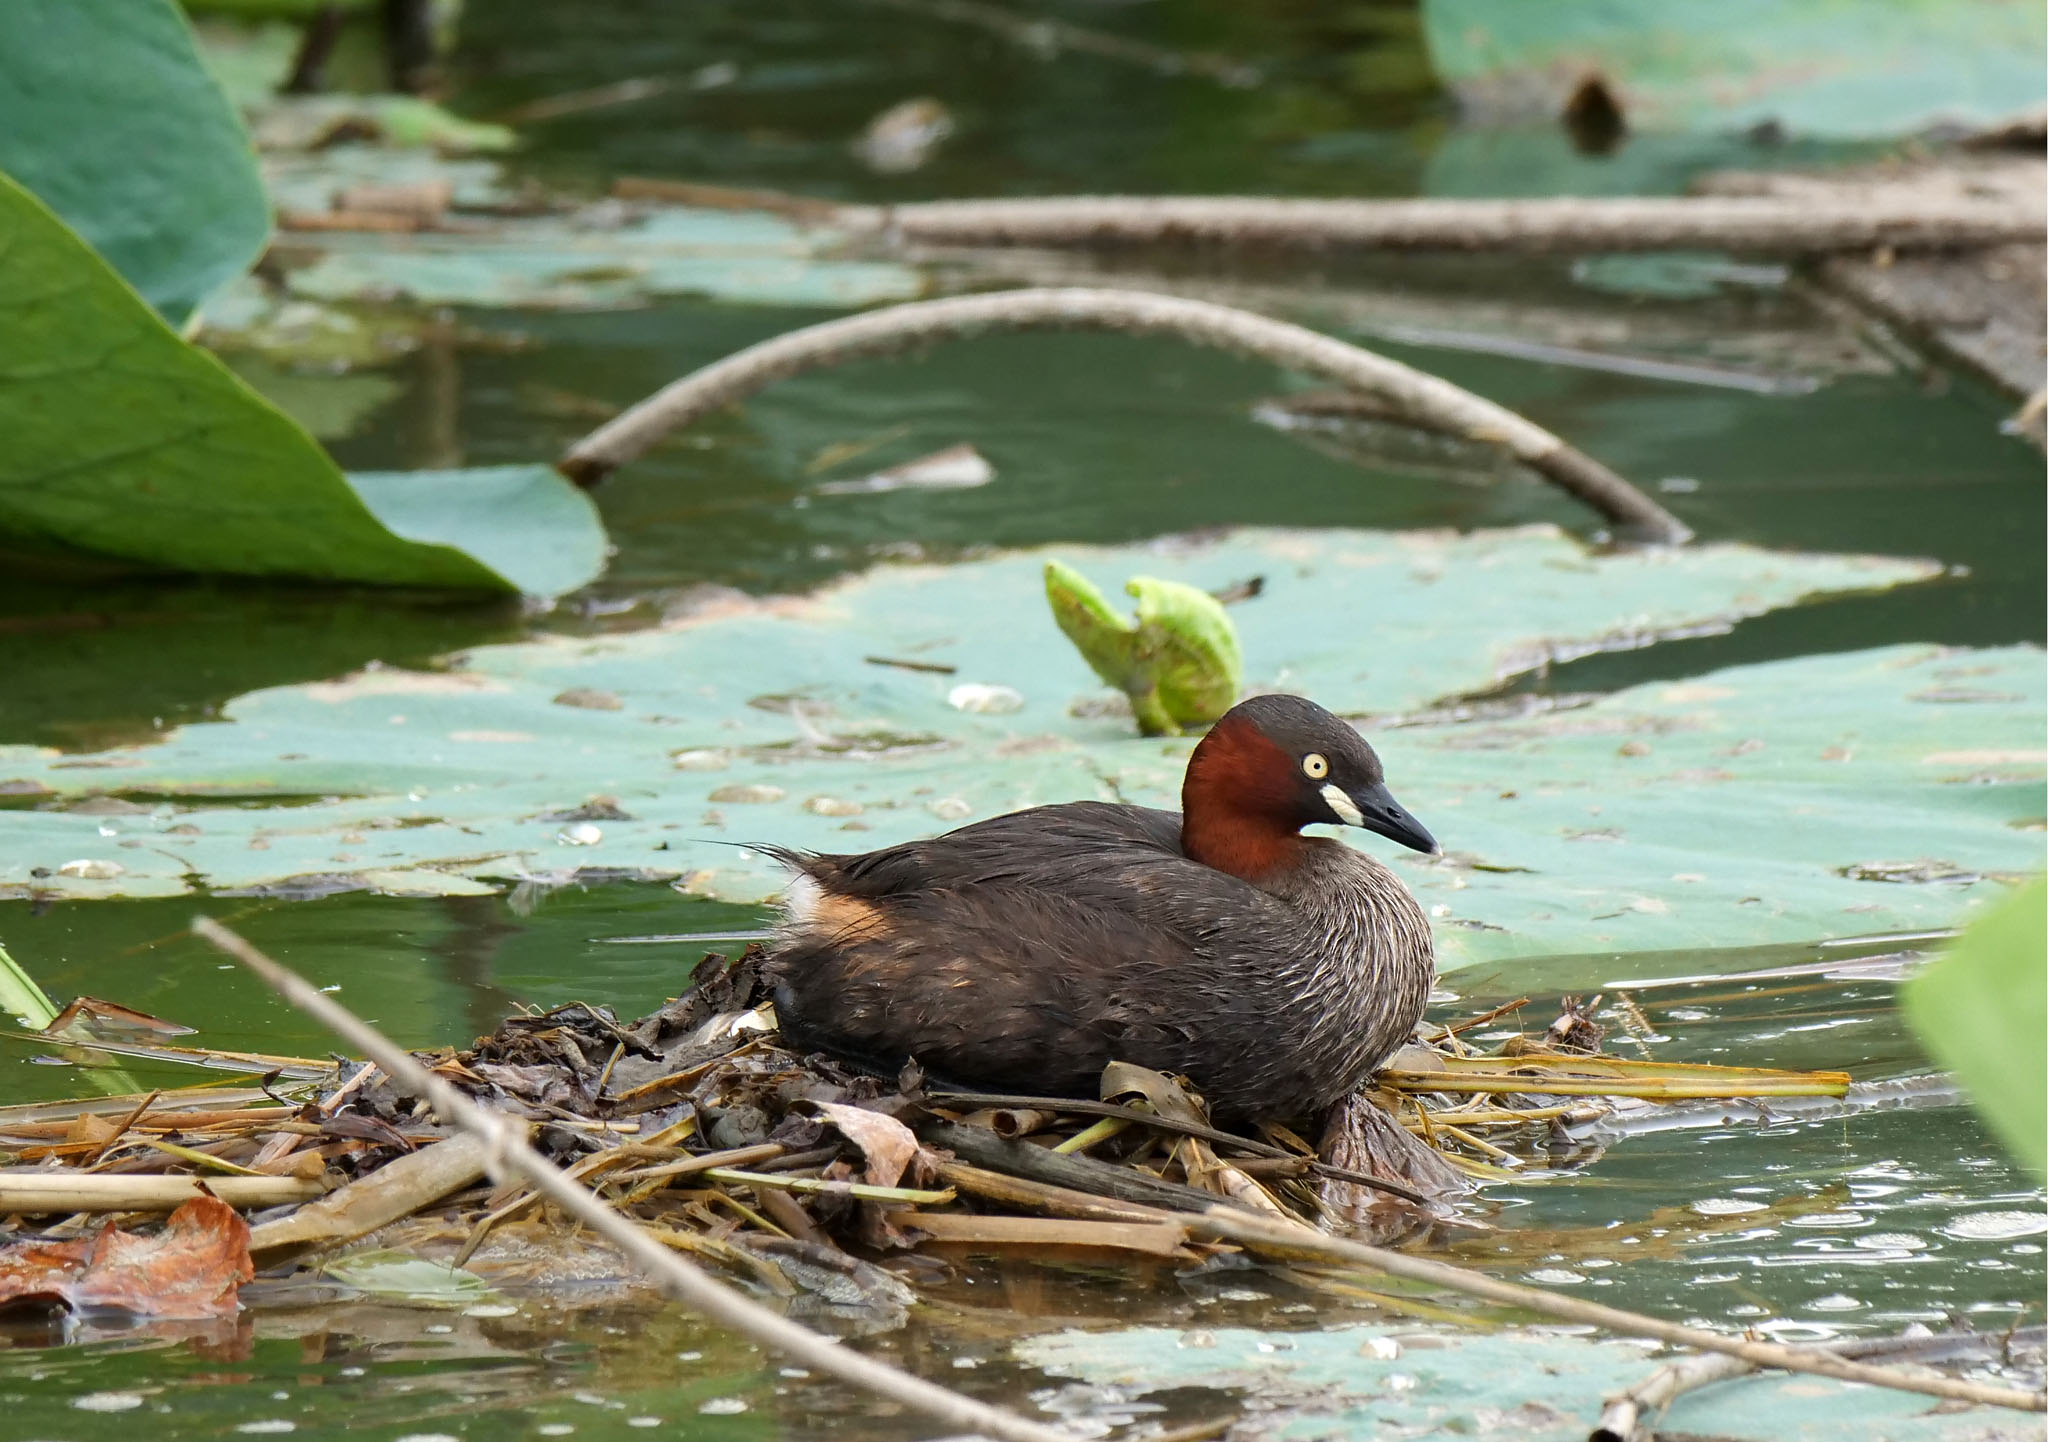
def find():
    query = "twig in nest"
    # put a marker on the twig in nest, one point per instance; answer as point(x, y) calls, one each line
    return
point(688, 1283)
point(1171, 1124)
point(1425, 399)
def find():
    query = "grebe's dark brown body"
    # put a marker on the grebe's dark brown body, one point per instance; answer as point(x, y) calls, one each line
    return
point(1024, 952)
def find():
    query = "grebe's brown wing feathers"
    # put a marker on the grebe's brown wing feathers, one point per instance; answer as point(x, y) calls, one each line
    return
point(1025, 951)
point(1046, 847)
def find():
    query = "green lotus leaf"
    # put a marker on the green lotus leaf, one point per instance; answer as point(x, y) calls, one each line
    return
point(91, 89)
point(1811, 797)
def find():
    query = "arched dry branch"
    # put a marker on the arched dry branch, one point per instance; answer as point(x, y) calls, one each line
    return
point(1423, 399)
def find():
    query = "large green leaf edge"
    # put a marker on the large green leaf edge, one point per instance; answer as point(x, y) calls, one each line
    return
point(115, 122)
point(125, 441)
point(1982, 1010)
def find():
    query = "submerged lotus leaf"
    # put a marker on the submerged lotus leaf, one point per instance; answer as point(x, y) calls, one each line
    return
point(611, 253)
point(1363, 1381)
point(406, 1278)
point(1734, 809)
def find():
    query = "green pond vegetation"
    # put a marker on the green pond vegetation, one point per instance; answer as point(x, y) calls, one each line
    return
point(300, 626)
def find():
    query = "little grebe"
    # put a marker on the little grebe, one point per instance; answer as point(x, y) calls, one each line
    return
point(1022, 953)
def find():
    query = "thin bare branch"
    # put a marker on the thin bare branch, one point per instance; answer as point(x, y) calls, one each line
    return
point(1631, 1416)
point(1294, 1240)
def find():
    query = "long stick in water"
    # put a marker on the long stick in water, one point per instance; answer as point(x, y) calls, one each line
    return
point(687, 1283)
point(1271, 1237)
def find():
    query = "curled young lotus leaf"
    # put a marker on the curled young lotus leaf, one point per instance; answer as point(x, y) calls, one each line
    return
point(1179, 661)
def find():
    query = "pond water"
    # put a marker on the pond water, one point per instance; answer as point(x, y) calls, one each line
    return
point(1801, 1226)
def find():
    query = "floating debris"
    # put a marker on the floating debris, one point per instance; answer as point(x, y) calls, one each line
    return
point(903, 137)
point(983, 699)
point(956, 468)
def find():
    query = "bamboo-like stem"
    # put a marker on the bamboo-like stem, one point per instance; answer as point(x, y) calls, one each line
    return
point(1507, 1083)
point(39, 1193)
point(1090, 1135)
point(690, 1284)
point(1045, 1197)
point(733, 1157)
point(1424, 399)
point(204, 1160)
point(1231, 1224)
point(1500, 1154)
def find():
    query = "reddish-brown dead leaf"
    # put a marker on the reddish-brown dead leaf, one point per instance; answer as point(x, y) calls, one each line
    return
point(193, 1268)
point(90, 1019)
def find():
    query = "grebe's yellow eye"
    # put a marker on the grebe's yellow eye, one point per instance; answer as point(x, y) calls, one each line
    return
point(1314, 766)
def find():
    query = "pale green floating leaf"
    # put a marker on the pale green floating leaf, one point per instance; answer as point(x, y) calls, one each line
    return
point(166, 459)
point(1832, 68)
point(605, 256)
point(537, 266)
point(112, 120)
point(313, 181)
point(1881, 791)
point(406, 1278)
point(303, 122)
point(1765, 798)
point(1982, 1010)
point(521, 521)
point(1362, 1382)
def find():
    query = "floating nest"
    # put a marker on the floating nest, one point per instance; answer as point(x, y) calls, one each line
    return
point(795, 1173)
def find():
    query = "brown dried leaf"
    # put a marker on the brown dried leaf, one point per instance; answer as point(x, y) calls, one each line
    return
point(887, 1144)
point(1123, 1080)
point(90, 1019)
point(1361, 1137)
point(193, 1268)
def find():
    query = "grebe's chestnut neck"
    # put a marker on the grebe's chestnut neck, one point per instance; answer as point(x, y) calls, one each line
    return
point(1271, 766)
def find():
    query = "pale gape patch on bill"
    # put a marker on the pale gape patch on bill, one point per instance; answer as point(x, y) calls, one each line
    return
point(1346, 809)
